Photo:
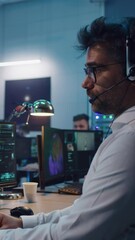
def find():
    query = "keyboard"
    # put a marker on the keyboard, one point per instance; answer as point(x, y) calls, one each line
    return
point(73, 189)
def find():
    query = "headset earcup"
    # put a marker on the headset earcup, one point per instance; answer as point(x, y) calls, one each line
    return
point(131, 75)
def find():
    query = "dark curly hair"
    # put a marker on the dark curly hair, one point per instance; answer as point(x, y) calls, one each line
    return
point(80, 117)
point(112, 36)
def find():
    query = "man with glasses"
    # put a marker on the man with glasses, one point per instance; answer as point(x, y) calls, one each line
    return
point(106, 208)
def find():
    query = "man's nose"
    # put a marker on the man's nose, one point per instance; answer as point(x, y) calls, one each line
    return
point(88, 83)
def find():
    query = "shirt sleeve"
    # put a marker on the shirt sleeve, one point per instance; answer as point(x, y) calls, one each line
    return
point(41, 218)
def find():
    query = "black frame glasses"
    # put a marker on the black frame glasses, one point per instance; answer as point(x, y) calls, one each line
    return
point(91, 71)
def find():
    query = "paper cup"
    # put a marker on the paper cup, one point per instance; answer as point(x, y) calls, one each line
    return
point(30, 191)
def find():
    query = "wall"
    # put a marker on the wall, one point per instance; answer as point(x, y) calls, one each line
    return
point(47, 29)
point(117, 9)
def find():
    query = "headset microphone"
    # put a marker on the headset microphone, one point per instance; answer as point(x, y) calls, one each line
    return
point(92, 100)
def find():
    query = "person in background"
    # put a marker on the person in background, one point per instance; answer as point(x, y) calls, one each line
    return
point(106, 208)
point(81, 122)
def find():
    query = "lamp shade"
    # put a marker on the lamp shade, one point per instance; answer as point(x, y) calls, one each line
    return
point(42, 108)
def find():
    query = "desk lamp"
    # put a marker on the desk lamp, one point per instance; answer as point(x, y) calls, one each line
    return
point(38, 108)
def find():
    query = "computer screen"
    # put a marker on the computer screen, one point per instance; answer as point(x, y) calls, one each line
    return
point(65, 154)
point(79, 150)
point(51, 164)
point(7, 155)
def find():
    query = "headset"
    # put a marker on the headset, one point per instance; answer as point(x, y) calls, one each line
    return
point(130, 69)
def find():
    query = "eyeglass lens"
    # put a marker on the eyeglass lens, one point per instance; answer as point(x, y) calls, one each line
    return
point(90, 72)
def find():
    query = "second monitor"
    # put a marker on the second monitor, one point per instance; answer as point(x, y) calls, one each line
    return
point(66, 154)
point(79, 150)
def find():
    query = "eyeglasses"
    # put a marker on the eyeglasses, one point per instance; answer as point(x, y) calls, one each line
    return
point(91, 71)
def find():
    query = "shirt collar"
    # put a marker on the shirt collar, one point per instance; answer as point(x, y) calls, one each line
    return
point(126, 117)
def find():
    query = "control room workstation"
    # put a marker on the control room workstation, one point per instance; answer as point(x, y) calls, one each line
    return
point(63, 157)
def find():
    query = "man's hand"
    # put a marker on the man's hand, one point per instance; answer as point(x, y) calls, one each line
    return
point(7, 222)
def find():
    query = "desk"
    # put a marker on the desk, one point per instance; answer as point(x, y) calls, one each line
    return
point(45, 203)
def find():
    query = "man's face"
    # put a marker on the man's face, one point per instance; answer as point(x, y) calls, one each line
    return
point(81, 125)
point(111, 102)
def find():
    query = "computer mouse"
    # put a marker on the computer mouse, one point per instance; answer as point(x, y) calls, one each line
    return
point(21, 210)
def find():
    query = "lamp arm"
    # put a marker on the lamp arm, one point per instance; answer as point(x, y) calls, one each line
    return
point(9, 118)
point(17, 112)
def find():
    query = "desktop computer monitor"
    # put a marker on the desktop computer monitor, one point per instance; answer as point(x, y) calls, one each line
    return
point(65, 154)
point(8, 177)
point(80, 147)
point(51, 156)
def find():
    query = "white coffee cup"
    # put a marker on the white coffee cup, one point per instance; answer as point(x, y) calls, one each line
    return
point(30, 191)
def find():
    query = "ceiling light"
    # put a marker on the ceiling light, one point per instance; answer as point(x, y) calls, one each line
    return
point(14, 63)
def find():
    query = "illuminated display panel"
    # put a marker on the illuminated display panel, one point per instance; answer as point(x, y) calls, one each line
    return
point(66, 154)
point(80, 148)
point(7, 155)
point(51, 164)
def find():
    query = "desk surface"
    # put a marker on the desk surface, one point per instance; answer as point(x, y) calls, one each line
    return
point(45, 203)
